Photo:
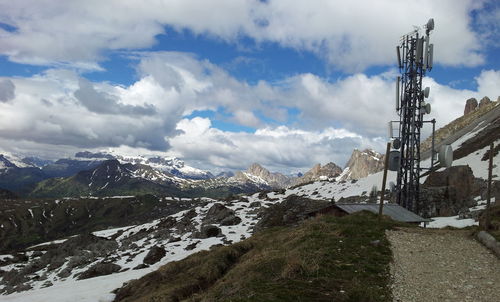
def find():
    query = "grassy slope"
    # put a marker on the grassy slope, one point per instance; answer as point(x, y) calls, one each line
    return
point(323, 259)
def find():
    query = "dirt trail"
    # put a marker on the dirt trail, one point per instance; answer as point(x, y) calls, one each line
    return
point(442, 265)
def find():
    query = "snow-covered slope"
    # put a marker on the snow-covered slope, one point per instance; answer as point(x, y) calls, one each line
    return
point(179, 235)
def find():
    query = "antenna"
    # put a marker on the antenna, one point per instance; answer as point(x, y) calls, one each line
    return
point(426, 52)
point(420, 48)
point(430, 58)
point(398, 52)
point(397, 92)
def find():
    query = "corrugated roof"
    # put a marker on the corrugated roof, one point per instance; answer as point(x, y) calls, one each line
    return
point(394, 211)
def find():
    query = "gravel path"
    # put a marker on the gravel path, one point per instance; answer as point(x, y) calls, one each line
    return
point(442, 265)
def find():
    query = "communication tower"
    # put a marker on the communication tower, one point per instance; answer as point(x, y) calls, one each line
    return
point(414, 58)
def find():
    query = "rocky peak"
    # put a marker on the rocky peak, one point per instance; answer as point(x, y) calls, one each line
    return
point(318, 172)
point(93, 155)
point(258, 174)
point(258, 170)
point(5, 163)
point(363, 163)
point(470, 105)
point(484, 101)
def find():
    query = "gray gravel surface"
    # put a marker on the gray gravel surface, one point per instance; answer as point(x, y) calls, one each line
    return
point(442, 265)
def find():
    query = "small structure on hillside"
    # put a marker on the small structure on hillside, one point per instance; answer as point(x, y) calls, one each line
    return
point(394, 211)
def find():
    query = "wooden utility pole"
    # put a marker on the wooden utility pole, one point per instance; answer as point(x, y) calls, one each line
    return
point(386, 166)
point(488, 194)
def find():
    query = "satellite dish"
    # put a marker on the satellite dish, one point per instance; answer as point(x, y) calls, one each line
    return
point(394, 159)
point(396, 143)
point(445, 156)
point(427, 108)
point(426, 92)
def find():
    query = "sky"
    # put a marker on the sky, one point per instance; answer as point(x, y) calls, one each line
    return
point(222, 84)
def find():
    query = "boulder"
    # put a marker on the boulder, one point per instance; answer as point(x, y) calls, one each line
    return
point(208, 231)
point(140, 266)
point(460, 178)
point(217, 213)
point(154, 255)
point(254, 204)
point(192, 246)
point(100, 269)
point(470, 105)
point(447, 192)
point(231, 220)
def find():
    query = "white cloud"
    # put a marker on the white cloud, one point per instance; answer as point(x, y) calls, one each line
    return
point(279, 148)
point(59, 108)
point(351, 35)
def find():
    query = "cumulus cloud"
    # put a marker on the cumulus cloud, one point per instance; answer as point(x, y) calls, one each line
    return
point(278, 148)
point(350, 35)
point(101, 102)
point(7, 90)
point(298, 121)
point(66, 122)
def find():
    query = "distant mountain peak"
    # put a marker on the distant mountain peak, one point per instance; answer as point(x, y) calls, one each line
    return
point(318, 172)
point(363, 163)
point(6, 163)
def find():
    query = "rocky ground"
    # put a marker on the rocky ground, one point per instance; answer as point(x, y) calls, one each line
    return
point(442, 265)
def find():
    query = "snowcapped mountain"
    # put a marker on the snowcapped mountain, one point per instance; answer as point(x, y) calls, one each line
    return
point(5, 163)
point(11, 161)
point(172, 165)
point(111, 177)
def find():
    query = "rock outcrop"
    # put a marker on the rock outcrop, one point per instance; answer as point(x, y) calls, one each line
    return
point(363, 163)
point(484, 101)
point(100, 269)
point(220, 214)
point(446, 193)
point(154, 255)
point(470, 105)
point(318, 172)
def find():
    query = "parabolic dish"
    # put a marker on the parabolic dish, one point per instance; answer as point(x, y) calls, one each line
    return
point(445, 156)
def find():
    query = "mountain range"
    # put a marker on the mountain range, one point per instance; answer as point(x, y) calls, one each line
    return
point(108, 174)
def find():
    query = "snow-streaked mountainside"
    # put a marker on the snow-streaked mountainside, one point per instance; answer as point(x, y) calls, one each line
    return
point(172, 165)
point(12, 161)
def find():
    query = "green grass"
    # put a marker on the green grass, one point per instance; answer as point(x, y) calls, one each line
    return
point(323, 259)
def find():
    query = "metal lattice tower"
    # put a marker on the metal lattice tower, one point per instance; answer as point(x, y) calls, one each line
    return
point(414, 59)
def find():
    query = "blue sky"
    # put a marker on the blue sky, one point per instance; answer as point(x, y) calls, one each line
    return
point(227, 83)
